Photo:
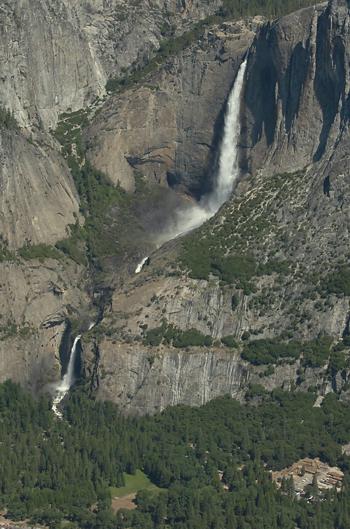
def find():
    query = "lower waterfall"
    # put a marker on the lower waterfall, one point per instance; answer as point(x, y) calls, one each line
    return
point(68, 379)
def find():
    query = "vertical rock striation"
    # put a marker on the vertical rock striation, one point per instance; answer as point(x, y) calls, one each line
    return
point(297, 88)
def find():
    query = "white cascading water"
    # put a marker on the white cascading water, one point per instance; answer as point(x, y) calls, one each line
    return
point(68, 380)
point(192, 217)
point(228, 160)
point(140, 266)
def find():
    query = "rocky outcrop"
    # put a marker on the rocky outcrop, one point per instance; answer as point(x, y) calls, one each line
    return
point(219, 311)
point(125, 34)
point(46, 63)
point(168, 128)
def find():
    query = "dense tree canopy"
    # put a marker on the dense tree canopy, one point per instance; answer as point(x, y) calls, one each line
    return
point(56, 471)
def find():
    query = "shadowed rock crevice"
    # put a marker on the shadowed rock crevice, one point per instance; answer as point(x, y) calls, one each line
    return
point(293, 83)
point(330, 77)
point(260, 96)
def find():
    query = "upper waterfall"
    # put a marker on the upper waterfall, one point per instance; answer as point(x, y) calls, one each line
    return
point(228, 160)
point(228, 169)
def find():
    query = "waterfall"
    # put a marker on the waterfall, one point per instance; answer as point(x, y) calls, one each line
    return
point(228, 170)
point(228, 160)
point(68, 379)
point(140, 266)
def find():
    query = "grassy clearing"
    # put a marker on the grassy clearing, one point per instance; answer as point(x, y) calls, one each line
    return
point(133, 484)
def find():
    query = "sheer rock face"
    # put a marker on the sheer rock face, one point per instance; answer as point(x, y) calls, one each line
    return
point(57, 56)
point(297, 88)
point(38, 198)
point(46, 63)
point(123, 34)
point(168, 128)
point(38, 201)
point(144, 380)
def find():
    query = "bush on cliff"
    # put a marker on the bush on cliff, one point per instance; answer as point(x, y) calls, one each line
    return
point(270, 351)
point(169, 334)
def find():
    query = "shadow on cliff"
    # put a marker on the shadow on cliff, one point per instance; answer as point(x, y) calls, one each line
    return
point(276, 87)
point(330, 77)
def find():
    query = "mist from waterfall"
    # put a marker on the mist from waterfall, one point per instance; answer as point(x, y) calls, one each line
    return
point(228, 171)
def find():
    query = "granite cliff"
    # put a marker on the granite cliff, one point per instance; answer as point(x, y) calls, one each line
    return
point(168, 127)
point(273, 263)
point(55, 58)
point(289, 217)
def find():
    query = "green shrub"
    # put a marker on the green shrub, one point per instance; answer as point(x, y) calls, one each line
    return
point(154, 336)
point(274, 266)
point(316, 352)
point(39, 251)
point(5, 253)
point(239, 268)
point(337, 362)
point(270, 351)
point(255, 391)
point(229, 341)
point(191, 338)
point(338, 282)
point(68, 132)
point(73, 247)
point(196, 258)
point(201, 259)
point(97, 238)
point(171, 335)
point(270, 370)
point(234, 301)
